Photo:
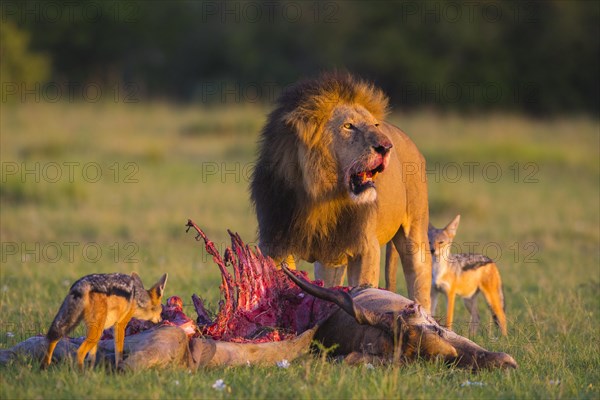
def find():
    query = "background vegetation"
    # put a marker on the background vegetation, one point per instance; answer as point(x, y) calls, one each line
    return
point(121, 120)
point(537, 56)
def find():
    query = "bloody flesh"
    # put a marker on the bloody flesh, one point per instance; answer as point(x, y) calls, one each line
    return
point(260, 304)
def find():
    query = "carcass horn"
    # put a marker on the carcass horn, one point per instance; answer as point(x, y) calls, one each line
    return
point(343, 300)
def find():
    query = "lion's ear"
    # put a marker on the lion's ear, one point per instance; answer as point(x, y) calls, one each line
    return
point(306, 128)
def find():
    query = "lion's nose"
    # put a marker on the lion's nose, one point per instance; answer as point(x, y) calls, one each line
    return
point(380, 142)
point(383, 147)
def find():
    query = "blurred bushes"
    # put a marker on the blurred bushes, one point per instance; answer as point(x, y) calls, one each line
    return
point(18, 64)
point(537, 57)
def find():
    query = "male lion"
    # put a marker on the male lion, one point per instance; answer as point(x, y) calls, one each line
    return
point(334, 182)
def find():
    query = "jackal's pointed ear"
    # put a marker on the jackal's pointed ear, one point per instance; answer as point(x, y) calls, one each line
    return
point(159, 287)
point(452, 227)
point(136, 278)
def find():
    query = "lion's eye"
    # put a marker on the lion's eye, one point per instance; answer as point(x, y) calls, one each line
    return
point(348, 125)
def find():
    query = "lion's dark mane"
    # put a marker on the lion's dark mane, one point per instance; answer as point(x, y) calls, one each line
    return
point(290, 219)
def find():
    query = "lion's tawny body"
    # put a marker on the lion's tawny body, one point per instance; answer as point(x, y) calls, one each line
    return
point(334, 182)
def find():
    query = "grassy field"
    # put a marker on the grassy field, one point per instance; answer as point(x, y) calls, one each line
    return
point(103, 188)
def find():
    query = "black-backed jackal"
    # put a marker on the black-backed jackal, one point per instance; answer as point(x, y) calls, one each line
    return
point(464, 275)
point(101, 301)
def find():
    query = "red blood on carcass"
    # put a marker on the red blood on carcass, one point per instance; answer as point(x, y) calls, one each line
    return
point(265, 305)
point(173, 314)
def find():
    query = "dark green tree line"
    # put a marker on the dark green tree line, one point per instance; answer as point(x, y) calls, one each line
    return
point(536, 57)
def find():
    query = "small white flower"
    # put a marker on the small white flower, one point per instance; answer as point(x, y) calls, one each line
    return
point(469, 383)
point(369, 366)
point(283, 363)
point(10, 334)
point(219, 384)
point(248, 363)
point(177, 383)
point(555, 382)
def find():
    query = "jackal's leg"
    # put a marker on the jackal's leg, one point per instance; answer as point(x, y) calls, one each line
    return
point(391, 266)
point(119, 331)
point(434, 300)
point(491, 286)
point(91, 341)
point(95, 318)
point(91, 356)
point(450, 313)
point(471, 304)
point(120, 338)
point(48, 357)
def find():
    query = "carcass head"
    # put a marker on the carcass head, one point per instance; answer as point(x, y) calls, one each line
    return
point(413, 332)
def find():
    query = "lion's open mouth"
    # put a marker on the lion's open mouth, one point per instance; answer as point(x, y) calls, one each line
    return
point(361, 181)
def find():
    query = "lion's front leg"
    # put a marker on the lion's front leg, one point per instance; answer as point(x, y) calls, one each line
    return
point(364, 268)
point(416, 263)
point(290, 261)
point(331, 276)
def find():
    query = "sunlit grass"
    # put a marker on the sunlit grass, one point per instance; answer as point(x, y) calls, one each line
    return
point(161, 165)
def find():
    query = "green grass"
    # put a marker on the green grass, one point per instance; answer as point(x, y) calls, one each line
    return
point(161, 165)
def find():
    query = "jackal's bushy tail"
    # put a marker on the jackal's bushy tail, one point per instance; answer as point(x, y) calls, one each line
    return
point(67, 318)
